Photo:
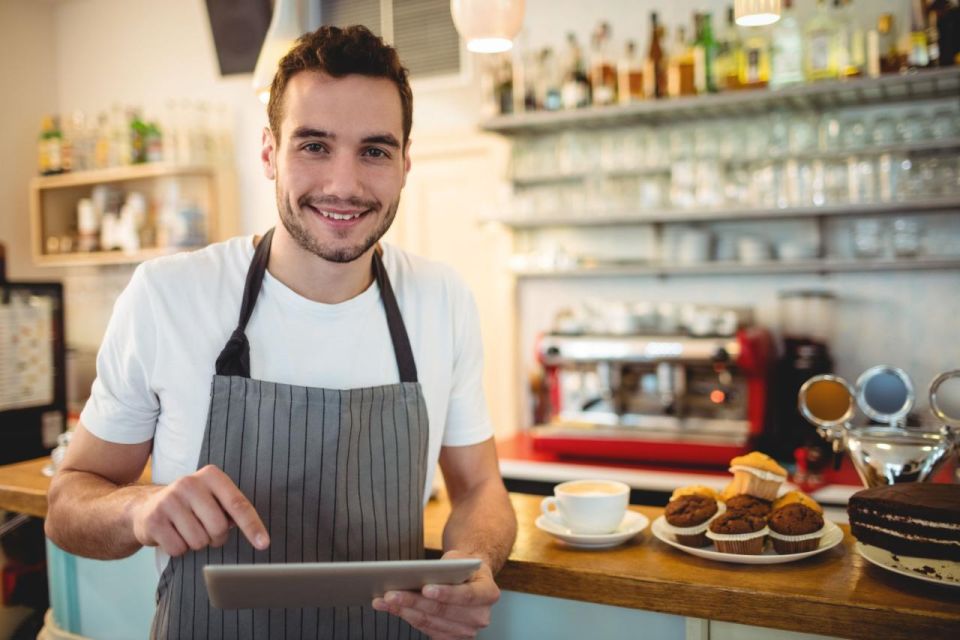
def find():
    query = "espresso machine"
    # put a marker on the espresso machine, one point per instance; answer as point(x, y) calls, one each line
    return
point(679, 397)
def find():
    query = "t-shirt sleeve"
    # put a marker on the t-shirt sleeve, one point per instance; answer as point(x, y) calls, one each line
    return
point(468, 419)
point(123, 407)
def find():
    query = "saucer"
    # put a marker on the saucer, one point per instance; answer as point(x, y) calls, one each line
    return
point(632, 524)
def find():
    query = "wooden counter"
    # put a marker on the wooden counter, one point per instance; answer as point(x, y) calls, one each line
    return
point(835, 593)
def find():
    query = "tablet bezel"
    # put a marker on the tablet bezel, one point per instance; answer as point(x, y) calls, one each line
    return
point(326, 584)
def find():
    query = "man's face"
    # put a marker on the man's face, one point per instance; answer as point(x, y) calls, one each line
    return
point(340, 164)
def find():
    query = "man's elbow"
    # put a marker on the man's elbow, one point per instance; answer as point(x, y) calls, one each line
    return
point(52, 524)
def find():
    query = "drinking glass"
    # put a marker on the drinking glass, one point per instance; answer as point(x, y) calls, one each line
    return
point(862, 180)
point(779, 138)
point(757, 140)
point(835, 181)
point(943, 124)
point(853, 133)
point(829, 132)
point(867, 238)
point(906, 237)
point(803, 133)
point(913, 127)
point(883, 131)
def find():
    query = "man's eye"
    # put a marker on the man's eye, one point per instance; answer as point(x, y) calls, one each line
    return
point(313, 147)
point(375, 152)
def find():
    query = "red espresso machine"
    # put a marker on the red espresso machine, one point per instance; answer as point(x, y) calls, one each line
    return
point(673, 399)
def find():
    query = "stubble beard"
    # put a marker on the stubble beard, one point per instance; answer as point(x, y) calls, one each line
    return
point(293, 222)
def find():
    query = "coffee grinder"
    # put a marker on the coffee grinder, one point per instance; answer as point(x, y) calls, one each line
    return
point(806, 319)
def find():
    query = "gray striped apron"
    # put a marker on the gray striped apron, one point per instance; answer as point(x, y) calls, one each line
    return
point(336, 475)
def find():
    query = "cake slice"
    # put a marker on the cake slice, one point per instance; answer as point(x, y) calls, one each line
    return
point(917, 519)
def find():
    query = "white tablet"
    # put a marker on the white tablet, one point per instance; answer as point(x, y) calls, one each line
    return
point(325, 584)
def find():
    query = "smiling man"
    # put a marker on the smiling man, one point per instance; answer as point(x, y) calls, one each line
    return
point(297, 390)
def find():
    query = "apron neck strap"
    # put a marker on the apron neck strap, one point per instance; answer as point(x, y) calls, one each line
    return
point(398, 331)
point(234, 360)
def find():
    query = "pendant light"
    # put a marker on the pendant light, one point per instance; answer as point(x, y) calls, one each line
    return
point(488, 26)
point(756, 13)
point(283, 32)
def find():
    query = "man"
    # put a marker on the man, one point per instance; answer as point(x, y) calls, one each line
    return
point(352, 370)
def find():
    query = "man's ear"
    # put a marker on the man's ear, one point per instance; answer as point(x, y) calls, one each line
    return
point(268, 154)
point(406, 163)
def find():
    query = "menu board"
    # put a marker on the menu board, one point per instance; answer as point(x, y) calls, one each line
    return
point(26, 351)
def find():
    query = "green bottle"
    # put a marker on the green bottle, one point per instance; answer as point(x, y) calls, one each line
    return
point(706, 55)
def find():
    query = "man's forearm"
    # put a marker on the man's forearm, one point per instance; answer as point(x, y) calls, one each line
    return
point(90, 516)
point(482, 523)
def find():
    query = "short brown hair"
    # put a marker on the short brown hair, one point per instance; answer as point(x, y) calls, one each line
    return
point(340, 52)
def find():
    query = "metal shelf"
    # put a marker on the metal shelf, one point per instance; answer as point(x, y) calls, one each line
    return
point(943, 144)
point(625, 218)
point(922, 85)
point(735, 268)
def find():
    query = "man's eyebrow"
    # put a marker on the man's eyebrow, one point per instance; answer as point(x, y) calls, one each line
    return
point(308, 132)
point(382, 138)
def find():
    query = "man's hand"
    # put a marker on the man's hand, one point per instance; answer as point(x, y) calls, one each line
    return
point(446, 611)
point(197, 511)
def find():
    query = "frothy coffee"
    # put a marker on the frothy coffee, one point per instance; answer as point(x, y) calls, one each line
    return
point(592, 489)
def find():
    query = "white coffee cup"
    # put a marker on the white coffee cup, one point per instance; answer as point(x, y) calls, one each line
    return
point(587, 506)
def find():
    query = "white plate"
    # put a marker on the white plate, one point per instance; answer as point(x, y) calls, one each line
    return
point(831, 538)
point(929, 569)
point(632, 524)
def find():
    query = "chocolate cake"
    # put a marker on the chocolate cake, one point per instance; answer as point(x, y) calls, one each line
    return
point(917, 519)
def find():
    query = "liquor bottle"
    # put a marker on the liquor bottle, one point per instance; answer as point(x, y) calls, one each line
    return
point(502, 87)
point(786, 60)
point(575, 92)
point(948, 33)
point(918, 56)
point(550, 81)
point(821, 58)
point(933, 39)
point(49, 147)
point(753, 61)
point(655, 72)
point(680, 66)
point(891, 58)
point(630, 75)
point(852, 45)
point(603, 72)
point(728, 47)
point(705, 56)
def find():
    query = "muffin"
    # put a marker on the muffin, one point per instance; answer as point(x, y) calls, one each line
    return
point(694, 490)
point(797, 497)
point(795, 528)
point(687, 518)
point(750, 504)
point(738, 532)
point(757, 474)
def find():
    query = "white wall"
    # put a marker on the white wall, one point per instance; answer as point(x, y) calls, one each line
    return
point(28, 77)
point(90, 54)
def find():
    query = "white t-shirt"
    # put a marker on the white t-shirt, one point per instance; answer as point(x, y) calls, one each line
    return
point(158, 356)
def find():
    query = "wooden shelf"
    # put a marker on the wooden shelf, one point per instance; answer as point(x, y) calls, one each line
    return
point(118, 174)
point(53, 203)
point(922, 85)
point(772, 267)
point(97, 258)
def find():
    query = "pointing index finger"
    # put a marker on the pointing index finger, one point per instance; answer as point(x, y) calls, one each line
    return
point(241, 511)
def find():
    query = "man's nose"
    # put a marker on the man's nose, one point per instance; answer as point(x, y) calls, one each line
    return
point(342, 177)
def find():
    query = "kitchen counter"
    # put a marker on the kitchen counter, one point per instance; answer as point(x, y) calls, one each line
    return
point(835, 593)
